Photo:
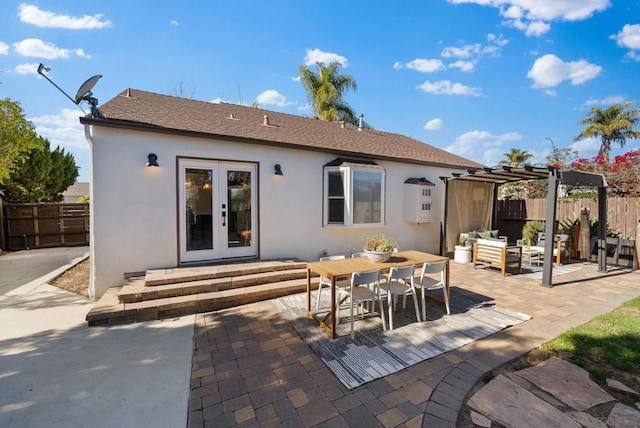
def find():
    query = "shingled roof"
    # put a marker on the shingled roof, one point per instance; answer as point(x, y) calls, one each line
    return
point(148, 111)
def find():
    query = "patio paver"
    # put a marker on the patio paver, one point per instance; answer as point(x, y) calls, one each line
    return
point(251, 368)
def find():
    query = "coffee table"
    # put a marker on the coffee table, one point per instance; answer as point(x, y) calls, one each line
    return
point(530, 253)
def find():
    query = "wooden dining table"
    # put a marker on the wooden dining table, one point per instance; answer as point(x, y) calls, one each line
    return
point(335, 270)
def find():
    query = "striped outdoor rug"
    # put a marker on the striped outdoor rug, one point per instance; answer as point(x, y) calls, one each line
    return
point(535, 272)
point(376, 353)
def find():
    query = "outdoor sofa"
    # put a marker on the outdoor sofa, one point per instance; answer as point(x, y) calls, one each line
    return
point(497, 253)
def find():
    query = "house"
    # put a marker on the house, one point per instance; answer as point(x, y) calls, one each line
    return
point(235, 182)
point(79, 189)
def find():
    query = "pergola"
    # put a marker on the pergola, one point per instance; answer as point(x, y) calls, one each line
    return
point(487, 181)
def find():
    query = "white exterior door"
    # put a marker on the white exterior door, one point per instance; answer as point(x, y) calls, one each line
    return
point(217, 210)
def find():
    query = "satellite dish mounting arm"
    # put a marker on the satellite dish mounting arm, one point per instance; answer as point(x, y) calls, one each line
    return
point(41, 67)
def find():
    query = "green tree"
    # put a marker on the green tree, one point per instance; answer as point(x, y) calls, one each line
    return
point(41, 175)
point(561, 157)
point(614, 124)
point(516, 157)
point(17, 136)
point(325, 92)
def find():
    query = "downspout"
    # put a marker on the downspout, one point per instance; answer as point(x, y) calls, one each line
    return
point(443, 225)
point(92, 276)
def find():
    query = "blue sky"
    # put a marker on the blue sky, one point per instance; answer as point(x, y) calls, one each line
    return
point(475, 77)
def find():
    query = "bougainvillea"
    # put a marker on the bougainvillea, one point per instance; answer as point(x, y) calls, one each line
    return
point(622, 175)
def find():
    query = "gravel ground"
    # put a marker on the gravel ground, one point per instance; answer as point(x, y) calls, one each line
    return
point(74, 280)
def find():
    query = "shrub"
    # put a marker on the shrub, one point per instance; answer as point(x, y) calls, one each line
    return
point(531, 229)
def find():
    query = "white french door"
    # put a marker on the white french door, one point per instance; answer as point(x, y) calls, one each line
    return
point(217, 210)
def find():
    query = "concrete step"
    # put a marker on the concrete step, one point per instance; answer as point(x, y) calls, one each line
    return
point(140, 291)
point(164, 293)
point(199, 273)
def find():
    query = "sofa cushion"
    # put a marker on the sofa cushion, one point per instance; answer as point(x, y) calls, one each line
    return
point(485, 234)
point(494, 233)
point(492, 242)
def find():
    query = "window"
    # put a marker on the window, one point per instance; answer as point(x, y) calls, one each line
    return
point(354, 193)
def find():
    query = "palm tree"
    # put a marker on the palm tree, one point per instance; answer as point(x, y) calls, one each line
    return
point(325, 91)
point(516, 157)
point(615, 123)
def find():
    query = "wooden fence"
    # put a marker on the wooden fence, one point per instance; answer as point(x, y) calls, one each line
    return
point(27, 226)
point(622, 213)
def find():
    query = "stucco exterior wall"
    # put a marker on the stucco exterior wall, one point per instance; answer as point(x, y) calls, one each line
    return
point(134, 207)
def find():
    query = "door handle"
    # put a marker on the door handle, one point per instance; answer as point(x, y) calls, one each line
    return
point(224, 218)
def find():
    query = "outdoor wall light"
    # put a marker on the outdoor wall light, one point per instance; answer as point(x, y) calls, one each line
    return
point(152, 159)
point(277, 169)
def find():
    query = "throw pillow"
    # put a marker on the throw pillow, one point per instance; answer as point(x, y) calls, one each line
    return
point(485, 234)
point(494, 233)
point(472, 235)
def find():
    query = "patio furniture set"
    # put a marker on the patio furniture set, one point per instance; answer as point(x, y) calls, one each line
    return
point(509, 258)
point(357, 280)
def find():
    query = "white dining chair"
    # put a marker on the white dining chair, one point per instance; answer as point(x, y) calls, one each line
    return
point(428, 283)
point(399, 282)
point(359, 291)
point(324, 282)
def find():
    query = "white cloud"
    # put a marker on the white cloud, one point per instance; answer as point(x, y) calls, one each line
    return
point(316, 55)
point(272, 97)
point(612, 99)
point(174, 23)
point(63, 129)
point(296, 78)
point(422, 65)
point(29, 68)
point(40, 49)
point(446, 87)
point(587, 148)
point(217, 100)
point(533, 16)
point(468, 55)
point(463, 52)
point(634, 56)
point(549, 71)
point(434, 124)
point(536, 28)
point(497, 40)
point(81, 53)
point(466, 66)
point(4, 48)
point(40, 18)
point(629, 37)
point(482, 146)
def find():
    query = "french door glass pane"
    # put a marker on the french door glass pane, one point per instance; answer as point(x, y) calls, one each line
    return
point(198, 205)
point(239, 212)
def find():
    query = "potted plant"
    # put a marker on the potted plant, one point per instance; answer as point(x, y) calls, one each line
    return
point(530, 231)
point(379, 247)
point(463, 240)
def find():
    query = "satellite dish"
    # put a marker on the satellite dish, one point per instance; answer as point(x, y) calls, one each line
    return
point(84, 93)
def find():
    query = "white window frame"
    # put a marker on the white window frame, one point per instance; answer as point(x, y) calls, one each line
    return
point(348, 171)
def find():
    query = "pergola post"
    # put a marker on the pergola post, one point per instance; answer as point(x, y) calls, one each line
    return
point(552, 195)
point(602, 229)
